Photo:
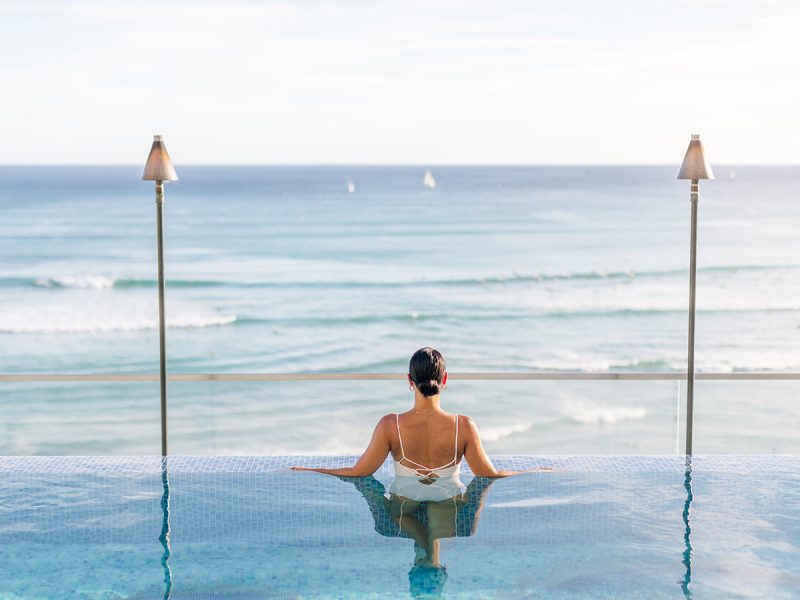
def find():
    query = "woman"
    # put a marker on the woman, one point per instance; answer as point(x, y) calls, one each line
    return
point(423, 437)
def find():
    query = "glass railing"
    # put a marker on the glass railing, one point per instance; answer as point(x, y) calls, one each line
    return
point(334, 413)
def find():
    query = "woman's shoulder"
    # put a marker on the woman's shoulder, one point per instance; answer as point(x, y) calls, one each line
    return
point(387, 420)
point(467, 423)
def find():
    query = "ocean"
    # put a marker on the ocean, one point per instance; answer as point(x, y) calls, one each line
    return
point(283, 270)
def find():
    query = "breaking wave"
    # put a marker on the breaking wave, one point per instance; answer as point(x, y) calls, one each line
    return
point(493, 434)
point(602, 414)
point(75, 317)
point(89, 281)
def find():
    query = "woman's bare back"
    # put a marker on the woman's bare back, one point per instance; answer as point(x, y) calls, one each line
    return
point(427, 439)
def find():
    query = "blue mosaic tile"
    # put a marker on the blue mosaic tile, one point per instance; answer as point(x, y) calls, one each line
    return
point(247, 527)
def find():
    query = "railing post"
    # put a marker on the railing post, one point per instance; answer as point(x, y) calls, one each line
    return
point(677, 429)
point(692, 279)
point(161, 317)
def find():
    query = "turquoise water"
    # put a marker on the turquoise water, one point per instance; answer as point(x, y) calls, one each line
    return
point(279, 269)
point(246, 527)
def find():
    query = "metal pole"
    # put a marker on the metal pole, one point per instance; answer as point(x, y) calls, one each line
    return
point(677, 389)
point(692, 278)
point(161, 320)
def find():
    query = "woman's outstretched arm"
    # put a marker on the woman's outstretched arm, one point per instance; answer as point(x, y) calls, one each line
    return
point(373, 456)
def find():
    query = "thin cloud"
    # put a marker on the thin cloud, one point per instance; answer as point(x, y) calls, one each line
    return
point(416, 82)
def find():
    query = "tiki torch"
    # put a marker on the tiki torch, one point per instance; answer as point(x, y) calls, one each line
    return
point(694, 167)
point(159, 169)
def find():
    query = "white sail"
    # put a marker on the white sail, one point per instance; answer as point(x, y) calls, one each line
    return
point(428, 181)
point(351, 187)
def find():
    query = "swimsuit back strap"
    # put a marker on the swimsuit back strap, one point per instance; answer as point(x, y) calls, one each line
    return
point(455, 444)
point(400, 437)
point(403, 456)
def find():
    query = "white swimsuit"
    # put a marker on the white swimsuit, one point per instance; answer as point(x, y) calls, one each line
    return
point(422, 483)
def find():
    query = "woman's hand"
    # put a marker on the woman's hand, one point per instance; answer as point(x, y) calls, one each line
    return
point(506, 473)
point(341, 472)
point(539, 470)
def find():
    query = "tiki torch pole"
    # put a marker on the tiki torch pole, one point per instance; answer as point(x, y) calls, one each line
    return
point(694, 167)
point(159, 169)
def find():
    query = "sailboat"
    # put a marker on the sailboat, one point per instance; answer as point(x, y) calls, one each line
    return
point(351, 187)
point(428, 181)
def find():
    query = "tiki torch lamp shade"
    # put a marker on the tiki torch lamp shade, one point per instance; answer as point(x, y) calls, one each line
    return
point(695, 165)
point(159, 166)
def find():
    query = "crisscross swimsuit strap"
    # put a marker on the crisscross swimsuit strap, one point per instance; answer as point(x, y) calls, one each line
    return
point(422, 469)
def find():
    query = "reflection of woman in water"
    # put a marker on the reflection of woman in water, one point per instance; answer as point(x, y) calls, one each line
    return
point(424, 436)
point(426, 522)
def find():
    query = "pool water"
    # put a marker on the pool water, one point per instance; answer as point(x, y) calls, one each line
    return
point(247, 527)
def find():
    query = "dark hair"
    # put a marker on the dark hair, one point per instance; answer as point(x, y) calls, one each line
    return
point(427, 370)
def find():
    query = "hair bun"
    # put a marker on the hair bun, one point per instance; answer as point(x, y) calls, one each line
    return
point(430, 387)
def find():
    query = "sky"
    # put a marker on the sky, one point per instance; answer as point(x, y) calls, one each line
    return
point(405, 82)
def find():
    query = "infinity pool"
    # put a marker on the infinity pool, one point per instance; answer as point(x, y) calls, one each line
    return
point(246, 527)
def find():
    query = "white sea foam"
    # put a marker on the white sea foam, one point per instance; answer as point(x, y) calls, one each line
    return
point(493, 434)
point(563, 359)
point(103, 314)
point(717, 291)
point(95, 282)
point(602, 413)
point(783, 357)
